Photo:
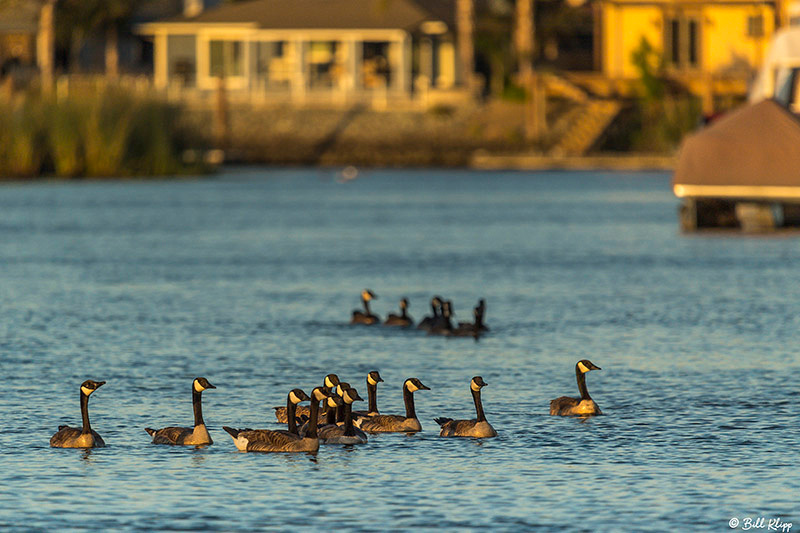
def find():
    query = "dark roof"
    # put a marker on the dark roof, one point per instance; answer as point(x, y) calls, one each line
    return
point(757, 145)
point(19, 17)
point(318, 14)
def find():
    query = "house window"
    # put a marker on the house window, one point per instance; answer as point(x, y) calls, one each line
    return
point(682, 41)
point(755, 26)
point(226, 58)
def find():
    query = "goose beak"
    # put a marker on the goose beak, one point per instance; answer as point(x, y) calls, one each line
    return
point(595, 367)
point(423, 387)
point(210, 386)
point(100, 384)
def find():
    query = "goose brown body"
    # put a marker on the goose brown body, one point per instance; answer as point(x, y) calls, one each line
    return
point(187, 436)
point(85, 436)
point(396, 423)
point(583, 406)
point(281, 441)
point(478, 427)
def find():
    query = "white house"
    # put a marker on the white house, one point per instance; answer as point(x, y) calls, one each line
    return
point(307, 47)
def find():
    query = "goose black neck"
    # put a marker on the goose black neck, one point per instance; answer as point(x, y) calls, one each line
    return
point(582, 384)
point(348, 420)
point(311, 433)
point(198, 407)
point(366, 306)
point(435, 310)
point(87, 428)
point(403, 312)
point(476, 397)
point(331, 414)
point(408, 398)
point(340, 413)
point(291, 413)
point(372, 391)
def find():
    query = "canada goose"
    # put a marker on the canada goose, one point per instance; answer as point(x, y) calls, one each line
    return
point(365, 317)
point(442, 325)
point(302, 412)
point(477, 427)
point(330, 406)
point(279, 441)
point(402, 319)
point(294, 397)
point(373, 378)
point(194, 436)
point(473, 328)
point(583, 406)
point(345, 433)
point(428, 321)
point(396, 423)
point(85, 437)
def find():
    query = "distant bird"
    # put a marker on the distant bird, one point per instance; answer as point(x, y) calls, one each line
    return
point(373, 378)
point(428, 321)
point(279, 441)
point(330, 381)
point(396, 423)
point(478, 313)
point(475, 328)
point(345, 433)
point(443, 325)
point(583, 406)
point(402, 319)
point(84, 437)
point(477, 427)
point(365, 317)
point(193, 436)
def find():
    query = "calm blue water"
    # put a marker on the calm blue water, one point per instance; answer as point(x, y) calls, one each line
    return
point(249, 279)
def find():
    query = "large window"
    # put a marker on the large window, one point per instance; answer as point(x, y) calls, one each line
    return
point(226, 58)
point(682, 40)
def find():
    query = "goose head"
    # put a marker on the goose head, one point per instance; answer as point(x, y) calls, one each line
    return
point(436, 301)
point(334, 401)
point(351, 395)
point(477, 383)
point(404, 303)
point(89, 386)
point(340, 388)
point(319, 394)
point(373, 378)
point(201, 384)
point(584, 365)
point(331, 380)
point(297, 395)
point(414, 384)
point(368, 295)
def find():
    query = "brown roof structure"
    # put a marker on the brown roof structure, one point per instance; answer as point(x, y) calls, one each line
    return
point(753, 152)
point(317, 14)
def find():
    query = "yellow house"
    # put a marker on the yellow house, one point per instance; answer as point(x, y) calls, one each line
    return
point(713, 47)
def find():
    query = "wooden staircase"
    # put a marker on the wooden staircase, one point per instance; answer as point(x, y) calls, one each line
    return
point(578, 130)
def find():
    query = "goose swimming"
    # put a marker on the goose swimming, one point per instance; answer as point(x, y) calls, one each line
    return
point(373, 378)
point(403, 319)
point(365, 317)
point(477, 427)
point(583, 406)
point(396, 423)
point(345, 433)
point(279, 441)
point(302, 412)
point(193, 436)
point(427, 322)
point(85, 436)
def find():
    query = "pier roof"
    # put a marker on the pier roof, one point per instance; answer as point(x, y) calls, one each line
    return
point(752, 153)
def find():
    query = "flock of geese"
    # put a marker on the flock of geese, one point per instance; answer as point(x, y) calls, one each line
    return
point(438, 323)
point(334, 422)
